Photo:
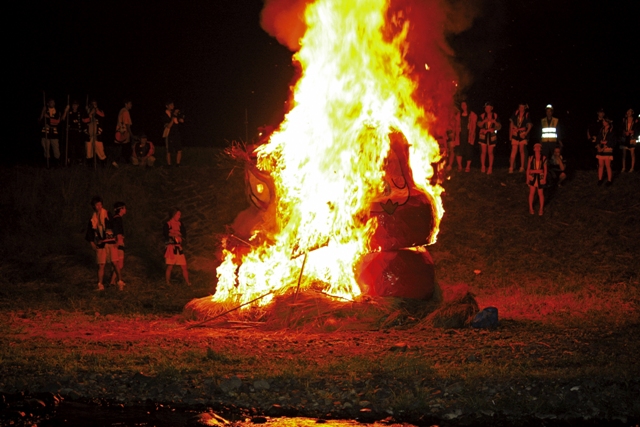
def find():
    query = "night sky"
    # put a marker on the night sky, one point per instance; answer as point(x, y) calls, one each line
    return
point(215, 61)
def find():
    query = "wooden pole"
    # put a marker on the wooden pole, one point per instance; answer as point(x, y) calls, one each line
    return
point(228, 311)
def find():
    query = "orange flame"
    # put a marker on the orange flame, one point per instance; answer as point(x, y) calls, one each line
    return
point(327, 158)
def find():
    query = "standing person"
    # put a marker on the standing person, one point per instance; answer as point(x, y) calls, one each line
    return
point(631, 128)
point(175, 234)
point(466, 130)
point(594, 129)
point(73, 117)
point(550, 136)
point(488, 125)
point(171, 134)
point(537, 177)
point(122, 152)
point(50, 139)
point(100, 235)
point(605, 142)
point(93, 132)
point(519, 129)
point(452, 140)
point(143, 152)
point(117, 226)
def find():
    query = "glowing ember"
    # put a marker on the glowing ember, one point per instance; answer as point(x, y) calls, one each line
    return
point(330, 158)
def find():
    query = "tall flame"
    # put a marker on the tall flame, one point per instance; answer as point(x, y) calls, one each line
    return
point(327, 158)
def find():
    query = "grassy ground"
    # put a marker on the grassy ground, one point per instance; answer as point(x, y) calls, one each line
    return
point(566, 286)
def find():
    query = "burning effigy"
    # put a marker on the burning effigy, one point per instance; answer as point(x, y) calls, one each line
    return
point(344, 195)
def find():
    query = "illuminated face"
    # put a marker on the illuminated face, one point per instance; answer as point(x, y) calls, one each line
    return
point(521, 109)
point(464, 106)
point(606, 125)
point(488, 109)
point(537, 148)
point(629, 112)
point(97, 207)
point(176, 216)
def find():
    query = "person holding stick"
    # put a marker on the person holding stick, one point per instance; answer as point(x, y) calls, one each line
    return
point(93, 131)
point(103, 242)
point(50, 139)
point(73, 118)
point(122, 140)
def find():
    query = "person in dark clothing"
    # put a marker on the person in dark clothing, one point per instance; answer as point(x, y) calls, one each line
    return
point(73, 117)
point(50, 117)
point(143, 152)
point(122, 140)
point(466, 130)
point(519, 129)
point(93, 132)
point(175, 234)
point(173, 120)
point(537, 177)
point(117, 226)
point(489, 125)
point(595, 128)
point(605, 143)
point(100, 235)
point(630, 131)
point(557, 168)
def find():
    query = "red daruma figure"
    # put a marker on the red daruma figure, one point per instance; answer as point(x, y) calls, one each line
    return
point(400, 265)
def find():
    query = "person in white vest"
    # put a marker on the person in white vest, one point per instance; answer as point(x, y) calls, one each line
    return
point(550, 136)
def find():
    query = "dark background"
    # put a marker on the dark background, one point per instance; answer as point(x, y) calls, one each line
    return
point(214, 60)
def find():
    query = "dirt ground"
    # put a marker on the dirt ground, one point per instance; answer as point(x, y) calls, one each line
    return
point(521, 370)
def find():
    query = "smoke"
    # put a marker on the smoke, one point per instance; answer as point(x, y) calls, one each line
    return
point(439, 74)
point(284, 20)
point(431, 23)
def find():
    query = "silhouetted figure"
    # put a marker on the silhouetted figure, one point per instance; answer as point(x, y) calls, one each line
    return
point(488, 125)
point(73, 117)
point(50, 117)
point(605, 143)
point(519, 130)
point(466, 134)
point(143, 152)
point(93, 133)
point(122, 140)
point(175, 234)
point(100, 235)
point(117, 226)
point(630, 131)
point(537, 177)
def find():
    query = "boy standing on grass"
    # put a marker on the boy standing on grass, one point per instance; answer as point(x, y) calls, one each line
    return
point(119, 209)
point(100, 235)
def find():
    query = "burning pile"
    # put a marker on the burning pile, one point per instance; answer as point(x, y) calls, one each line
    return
point(343, 195)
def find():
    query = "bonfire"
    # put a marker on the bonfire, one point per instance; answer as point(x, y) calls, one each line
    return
point(344, 195)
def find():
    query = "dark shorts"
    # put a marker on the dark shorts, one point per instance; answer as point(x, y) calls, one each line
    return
point(173, 144)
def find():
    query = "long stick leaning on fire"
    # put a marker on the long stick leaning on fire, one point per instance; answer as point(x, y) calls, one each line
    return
point(295, 296)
